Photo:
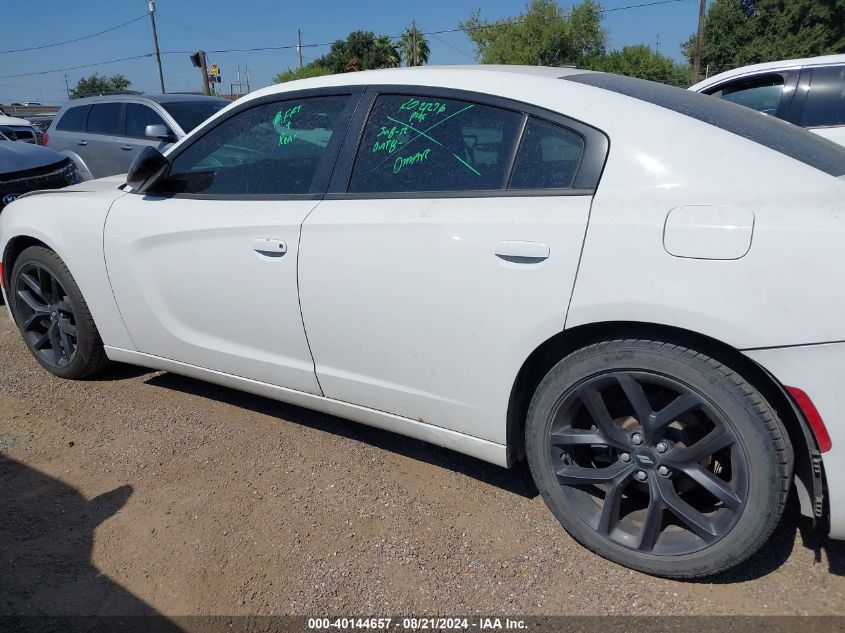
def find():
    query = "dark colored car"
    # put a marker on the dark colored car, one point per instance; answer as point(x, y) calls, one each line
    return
point(25, 167)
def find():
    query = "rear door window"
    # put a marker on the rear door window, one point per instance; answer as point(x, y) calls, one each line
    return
point(74, 119)
point(548, 157)
point(761, 93)
point(104, 118)
point(138, 117)
point(825, 105)
point(425, 143)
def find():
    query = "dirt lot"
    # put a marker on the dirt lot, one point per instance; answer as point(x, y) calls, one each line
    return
point(146, 492)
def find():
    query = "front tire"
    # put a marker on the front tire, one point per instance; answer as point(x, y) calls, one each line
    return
point(658, 457)
point(53, 317)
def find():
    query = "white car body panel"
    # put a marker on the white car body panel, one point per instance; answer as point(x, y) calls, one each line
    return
point(819, 371)
point(184, 270)
point(421, 328)
point(393, 291)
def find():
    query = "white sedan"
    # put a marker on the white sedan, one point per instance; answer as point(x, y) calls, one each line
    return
point(635, 287)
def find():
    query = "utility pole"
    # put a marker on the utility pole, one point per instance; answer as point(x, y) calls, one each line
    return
point(151, 4)
point(657, 44)
point(299, 46)
point(696, 65)
point(67, 88)
point(198, 60)
point(414, 57)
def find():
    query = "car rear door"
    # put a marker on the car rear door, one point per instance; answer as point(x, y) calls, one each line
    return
point(445, 252)
point(204, 269)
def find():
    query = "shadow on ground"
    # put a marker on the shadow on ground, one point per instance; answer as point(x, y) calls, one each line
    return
point(46, 539)
point(517, 481)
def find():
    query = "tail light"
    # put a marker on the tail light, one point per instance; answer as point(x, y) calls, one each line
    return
point(44, 139)
point(813, 417)
point(2, 278)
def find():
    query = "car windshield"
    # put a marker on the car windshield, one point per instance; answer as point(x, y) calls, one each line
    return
point(189, 114)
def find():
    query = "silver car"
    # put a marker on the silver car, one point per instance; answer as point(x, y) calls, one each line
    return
point(104, 134)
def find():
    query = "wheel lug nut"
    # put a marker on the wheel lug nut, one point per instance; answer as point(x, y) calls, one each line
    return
point(663, 470)
point(625, 457)
point(637, 439)
point(641, 475)
point(661, 447)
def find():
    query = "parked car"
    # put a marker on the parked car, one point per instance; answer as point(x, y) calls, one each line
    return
point(807, 92)
point(21, 129)
point(511, 262)
point(104, 134)
point(25, 168)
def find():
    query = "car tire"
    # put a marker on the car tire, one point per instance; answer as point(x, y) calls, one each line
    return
point(53, 317)
point(658, 457)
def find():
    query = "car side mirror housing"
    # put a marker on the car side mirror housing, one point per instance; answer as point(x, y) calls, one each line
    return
point(149, 167)
point(158, 131)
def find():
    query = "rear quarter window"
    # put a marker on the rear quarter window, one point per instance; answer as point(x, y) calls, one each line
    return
point(74, 119)
point(768, 131)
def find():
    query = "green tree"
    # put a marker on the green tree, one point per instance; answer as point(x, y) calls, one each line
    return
point(99, 84)
point(741, 32)
point(643, 62)
point(309, 70)
point(361, 50)
point(413, 47)
point(544, 35)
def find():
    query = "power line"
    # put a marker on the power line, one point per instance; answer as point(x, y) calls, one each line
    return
point(77, 39)
point(294, 46)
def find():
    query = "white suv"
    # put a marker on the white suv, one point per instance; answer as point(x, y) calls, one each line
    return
point(807, 92)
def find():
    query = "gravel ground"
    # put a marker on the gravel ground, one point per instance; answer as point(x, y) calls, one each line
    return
point(144, 492)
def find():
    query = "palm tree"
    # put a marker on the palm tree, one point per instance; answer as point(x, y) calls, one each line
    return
point(413, 46)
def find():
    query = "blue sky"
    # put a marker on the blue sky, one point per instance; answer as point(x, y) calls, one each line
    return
point(187, 25)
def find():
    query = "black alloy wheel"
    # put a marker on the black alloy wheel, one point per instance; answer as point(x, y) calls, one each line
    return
point(648, 462)
point(46, 315)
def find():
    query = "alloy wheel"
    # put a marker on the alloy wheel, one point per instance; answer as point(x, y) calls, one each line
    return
point(45, 315)
point(648, 462)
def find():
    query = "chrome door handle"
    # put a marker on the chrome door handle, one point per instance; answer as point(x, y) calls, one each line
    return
point(83, 143)
point(269, 246)
point(126, 147)
point(522, 252)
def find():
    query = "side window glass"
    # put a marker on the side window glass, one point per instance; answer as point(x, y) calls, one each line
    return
point(74, 119)
point(826, 100)
point(273, 148)
point(548, 157)
point(105, 118)
point(138, 117)
point(431, 144)
point(762, 94)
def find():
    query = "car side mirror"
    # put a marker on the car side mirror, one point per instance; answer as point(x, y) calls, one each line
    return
point(148, 168)
point(158, 131)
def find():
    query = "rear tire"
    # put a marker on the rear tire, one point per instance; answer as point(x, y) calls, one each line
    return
point(53, 317)
point(658, 457)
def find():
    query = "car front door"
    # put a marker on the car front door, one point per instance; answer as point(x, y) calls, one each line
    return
point(204, 269)
point(133, 137)
point(451, 254)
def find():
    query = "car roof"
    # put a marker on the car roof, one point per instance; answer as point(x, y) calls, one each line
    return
point(158, 98)
point(423, 75)
point(754, 69)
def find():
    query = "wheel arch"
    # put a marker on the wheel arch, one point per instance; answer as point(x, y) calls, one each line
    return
point(14, 247)
point(808, 477)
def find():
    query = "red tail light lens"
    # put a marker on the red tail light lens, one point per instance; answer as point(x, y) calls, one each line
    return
point(2, 278)
point(44, 139)
point(813, 417)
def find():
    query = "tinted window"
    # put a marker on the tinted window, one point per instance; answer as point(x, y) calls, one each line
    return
point(189, 114)
point(138, 117)
point(269, 149)
point(431, 144)
point(770, 132)
point(73, 120)
point(826, 100)
point(105, 118)
point(548, 157)
point(761, 94)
